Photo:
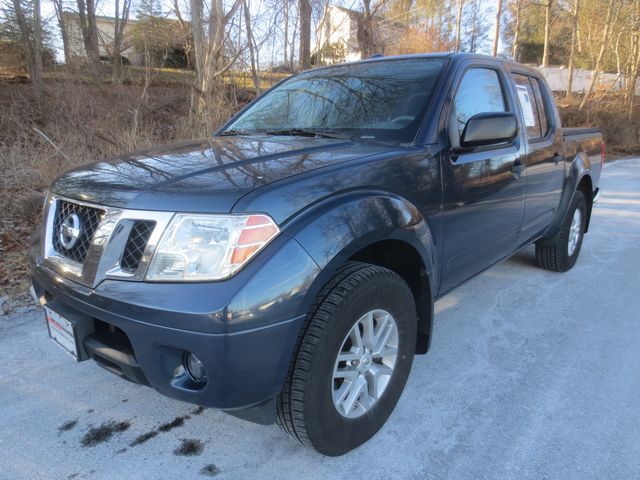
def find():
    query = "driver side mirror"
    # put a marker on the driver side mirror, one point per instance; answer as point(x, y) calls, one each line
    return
point(489, 129)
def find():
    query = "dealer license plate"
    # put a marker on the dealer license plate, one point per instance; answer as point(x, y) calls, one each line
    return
point(61, 331)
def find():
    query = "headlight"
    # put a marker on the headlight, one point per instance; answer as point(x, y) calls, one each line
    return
point(209, 247)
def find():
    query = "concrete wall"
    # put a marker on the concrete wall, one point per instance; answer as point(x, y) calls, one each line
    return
point(105, 37)
point(557, 79)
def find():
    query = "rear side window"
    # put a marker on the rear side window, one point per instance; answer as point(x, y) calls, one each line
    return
point(528, 105)
point(480, 91)
point(543, 113)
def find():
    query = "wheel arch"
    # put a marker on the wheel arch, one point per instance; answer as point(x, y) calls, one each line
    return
point(377, 228)
point(577, 177)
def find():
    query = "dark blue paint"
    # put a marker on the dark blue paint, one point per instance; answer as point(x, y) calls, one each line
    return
point(460, 212)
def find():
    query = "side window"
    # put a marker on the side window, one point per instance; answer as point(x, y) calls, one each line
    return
point(480, 91)
point(528, 105)
point(542, 109)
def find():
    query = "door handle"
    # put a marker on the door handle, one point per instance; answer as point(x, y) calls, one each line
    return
point(556, 158)
point(517, 168)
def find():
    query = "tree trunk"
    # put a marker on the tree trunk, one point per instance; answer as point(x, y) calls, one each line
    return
point(635, 67)
point(603, 46)
point(459, 25)
point(115, 57)
point(120, 22)
point(572, 54)
point(305, 34)
point(547, 32)
point(197, 33)
point(292, 46)
point(87, 17)
point(496, 36)
point(31, 36)
point(286, 30)
point(64, 34)
point(516, 31)
point(208, 51)
point(252, 49)
point(365, 34)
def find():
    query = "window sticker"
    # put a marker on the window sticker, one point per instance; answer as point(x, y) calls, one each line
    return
point(527, 108)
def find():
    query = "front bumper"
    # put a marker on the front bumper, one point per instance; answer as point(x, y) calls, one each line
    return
point(244, 331)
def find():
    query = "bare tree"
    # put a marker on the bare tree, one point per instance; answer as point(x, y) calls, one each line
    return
point(62, 25)
point(208, 49)
point(119, 24)
point(87, 18)
point(31, 36)
point(572, 54)
point(304, 7)
point(496, 35)
point(547, 32)
point(476, 26)
point(517, 14)
point(634, 69)
point(459, 25)
point(252, 48)
point(286, 29)
point(599, 61)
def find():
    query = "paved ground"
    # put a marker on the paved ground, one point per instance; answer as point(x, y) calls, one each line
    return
point(531, 375)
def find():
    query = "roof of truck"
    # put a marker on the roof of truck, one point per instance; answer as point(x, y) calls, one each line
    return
point(452, 55)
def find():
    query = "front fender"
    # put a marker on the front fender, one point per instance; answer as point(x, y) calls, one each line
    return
point(335, 230)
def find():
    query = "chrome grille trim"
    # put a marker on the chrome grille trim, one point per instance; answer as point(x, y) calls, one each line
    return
point(107, 245)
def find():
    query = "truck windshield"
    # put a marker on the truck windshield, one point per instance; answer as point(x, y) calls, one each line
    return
point(383, 101)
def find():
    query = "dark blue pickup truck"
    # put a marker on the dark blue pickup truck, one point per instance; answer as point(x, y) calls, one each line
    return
point(285, 269)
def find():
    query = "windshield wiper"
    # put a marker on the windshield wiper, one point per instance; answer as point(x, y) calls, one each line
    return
point(308, 132)
point(233, 133)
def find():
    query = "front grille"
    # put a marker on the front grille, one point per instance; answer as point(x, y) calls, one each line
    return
point(89, 220)
point(136, 243)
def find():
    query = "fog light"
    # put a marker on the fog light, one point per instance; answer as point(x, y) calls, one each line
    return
point(195, 368)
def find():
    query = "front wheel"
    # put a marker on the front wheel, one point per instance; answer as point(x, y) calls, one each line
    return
point(561, 255)
point(354, 356)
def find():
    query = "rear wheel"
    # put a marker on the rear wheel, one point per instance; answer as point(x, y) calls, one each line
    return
point(561, 255)
point(354, 356)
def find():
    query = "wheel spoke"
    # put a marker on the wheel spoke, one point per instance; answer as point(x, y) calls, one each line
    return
point(349, 356)
point(346, 372)
point(358, 386)
point(365, 363)
point(355, 336)
point(385, 351)
point(384, 334)
point(342, 392)
point(378, 377)
point(368, 334)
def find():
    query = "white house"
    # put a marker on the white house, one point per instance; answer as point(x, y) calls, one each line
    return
point(338, 31)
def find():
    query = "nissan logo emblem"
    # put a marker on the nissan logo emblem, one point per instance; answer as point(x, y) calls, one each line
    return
point(70, 231)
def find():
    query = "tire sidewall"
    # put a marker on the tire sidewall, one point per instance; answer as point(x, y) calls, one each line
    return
point(330, 432)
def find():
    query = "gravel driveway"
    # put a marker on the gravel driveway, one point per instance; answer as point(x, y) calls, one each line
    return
point(531, 375)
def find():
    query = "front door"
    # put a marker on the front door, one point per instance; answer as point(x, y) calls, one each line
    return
point(484, 189)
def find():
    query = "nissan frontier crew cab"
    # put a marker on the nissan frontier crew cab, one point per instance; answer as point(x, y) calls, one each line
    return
point(285, 268)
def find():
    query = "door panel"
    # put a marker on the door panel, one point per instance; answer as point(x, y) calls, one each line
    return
point(484, 189)
point(545, 166)
point(483, 206)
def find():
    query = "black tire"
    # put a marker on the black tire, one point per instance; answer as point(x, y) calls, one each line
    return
point(305, 407)
point(555, 256)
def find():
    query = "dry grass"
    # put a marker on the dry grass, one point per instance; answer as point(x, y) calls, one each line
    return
point(621, 135)
point(80, 122)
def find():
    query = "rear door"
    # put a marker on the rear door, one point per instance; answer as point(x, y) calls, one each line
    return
point(545, 164)
point(484, 188)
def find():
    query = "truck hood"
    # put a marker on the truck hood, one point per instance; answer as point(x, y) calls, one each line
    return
point(201, 176)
